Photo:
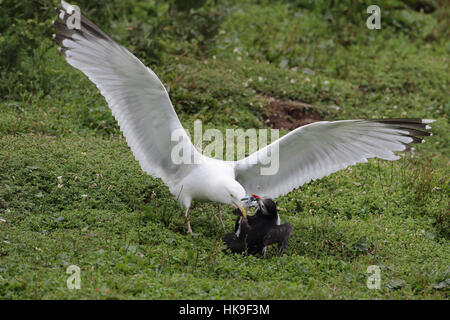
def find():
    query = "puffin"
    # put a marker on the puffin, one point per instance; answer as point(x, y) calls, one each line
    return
point(252, 234)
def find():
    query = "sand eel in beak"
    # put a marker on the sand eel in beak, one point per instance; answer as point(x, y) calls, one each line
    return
point(142, 107)
point(254, 233)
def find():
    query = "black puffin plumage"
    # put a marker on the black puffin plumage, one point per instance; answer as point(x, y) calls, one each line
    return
point(256, 232)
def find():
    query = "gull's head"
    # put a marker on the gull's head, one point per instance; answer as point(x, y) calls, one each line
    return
point(232, 193)
point(267, 206)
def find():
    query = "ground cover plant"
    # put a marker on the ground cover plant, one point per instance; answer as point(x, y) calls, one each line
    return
point(71, 192)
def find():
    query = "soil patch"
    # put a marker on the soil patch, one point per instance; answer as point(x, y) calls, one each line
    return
point(290, 114)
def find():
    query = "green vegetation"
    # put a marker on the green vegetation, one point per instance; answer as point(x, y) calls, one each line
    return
point(222, 61)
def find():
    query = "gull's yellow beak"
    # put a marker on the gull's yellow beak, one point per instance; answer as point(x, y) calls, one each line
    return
point(242, 208)
point(244, 212)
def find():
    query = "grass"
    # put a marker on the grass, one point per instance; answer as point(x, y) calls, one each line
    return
point(126, 231)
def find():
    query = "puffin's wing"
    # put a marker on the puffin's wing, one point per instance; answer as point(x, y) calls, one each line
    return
point(233, 243)
point(137, 98)
point(316, 150)
point(280, 235)
point(238, 242)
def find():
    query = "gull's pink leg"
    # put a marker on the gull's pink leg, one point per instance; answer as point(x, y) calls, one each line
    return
point(186, 215)
point(220, 216)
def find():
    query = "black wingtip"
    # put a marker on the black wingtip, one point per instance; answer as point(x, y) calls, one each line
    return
point(87, 26)
point(415, 127)
point(62, 50)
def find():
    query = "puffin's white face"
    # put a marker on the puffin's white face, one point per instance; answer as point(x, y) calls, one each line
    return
point(267, 206)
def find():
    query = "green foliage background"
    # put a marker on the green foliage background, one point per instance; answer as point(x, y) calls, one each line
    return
point(222, 62)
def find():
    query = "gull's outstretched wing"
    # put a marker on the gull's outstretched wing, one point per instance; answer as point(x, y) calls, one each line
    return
point(137, 98)
point(316, 150)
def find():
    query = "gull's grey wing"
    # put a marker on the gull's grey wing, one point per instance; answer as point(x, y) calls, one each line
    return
point(137, 98)
point(316, 150)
